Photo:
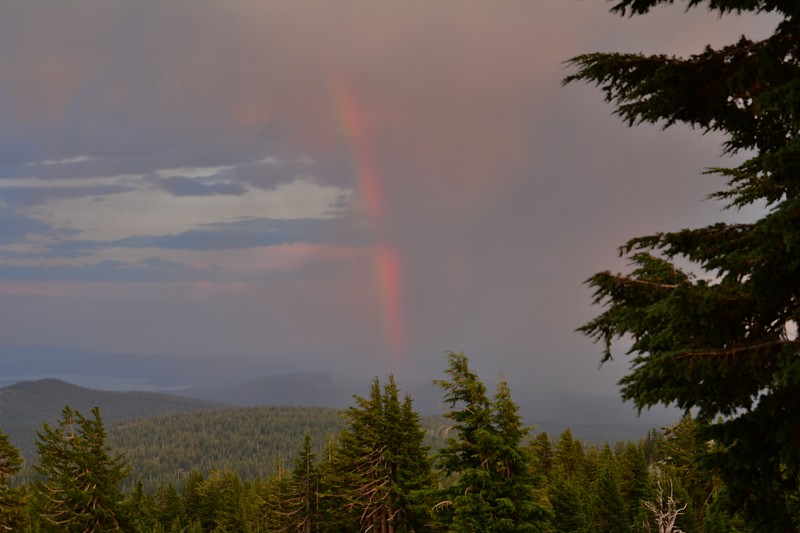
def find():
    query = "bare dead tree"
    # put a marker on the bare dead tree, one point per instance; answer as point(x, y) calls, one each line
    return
point(666, 510)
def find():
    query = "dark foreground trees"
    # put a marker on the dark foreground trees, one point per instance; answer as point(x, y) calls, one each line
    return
point(377, 475)
point(720, 335)
point(11, 501)
point(492, 484)
point(79, 491)
point(382, 462)
point(373, 476)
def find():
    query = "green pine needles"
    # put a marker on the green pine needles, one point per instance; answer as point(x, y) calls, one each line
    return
point(493, 486)
point(12, 503)
point(382, 462)
point(377, 474)
point(720, 339)
point(79, 491)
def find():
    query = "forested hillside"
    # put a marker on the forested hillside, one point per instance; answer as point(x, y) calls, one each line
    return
point(25, 406)
point(369, 468)
point(164, 437)
point(251, 441)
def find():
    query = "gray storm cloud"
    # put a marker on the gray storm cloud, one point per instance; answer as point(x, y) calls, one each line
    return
point(503, 190)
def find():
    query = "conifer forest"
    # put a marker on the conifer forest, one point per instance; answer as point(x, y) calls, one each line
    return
point(381, 471)
point(709, 317)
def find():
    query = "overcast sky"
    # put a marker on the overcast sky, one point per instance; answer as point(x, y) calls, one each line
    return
point(359, 186)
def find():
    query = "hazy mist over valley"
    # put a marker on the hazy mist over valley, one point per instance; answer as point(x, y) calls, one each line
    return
point(264, 203)
point(250, 381)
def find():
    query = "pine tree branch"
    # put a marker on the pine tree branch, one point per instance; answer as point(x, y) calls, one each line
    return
point(735, 350)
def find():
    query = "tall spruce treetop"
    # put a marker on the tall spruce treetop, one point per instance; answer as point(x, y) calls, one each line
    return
point(79, 491)
point(493, 488)
point(11, 501)
point(383, 462)
point(719, 336)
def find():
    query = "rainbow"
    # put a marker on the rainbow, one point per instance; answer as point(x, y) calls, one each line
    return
point(388, 265)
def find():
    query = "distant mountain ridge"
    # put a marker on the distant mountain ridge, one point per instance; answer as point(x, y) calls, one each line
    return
point(27, 405)
point(196, 425)
point(289, 381)
point(134, 371)
point(590, 417)
point(165, 436)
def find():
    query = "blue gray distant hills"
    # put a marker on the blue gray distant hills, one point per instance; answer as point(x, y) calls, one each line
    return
point(124, 371)
point(249, 381)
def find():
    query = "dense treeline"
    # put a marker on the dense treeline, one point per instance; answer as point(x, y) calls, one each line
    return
point(252, 441)
point(249, 441)
point(378, 474)
point(28, 404)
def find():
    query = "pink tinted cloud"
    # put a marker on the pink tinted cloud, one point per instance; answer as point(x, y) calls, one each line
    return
point(461, 97)
point(452, 85)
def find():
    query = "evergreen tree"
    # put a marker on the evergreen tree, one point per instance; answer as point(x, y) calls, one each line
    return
point(138, 511)
point(251, 506)
point(12, 504)
point(713, 311)
point(81, 476)
point(570, 457)
point(293, 502)
point(306, 488)
point(413, 468)
point(720, 519)
point(191, 498)
point(167, 506)
point(652, 446)
point(633, 481)
point(466, 505)
point(193, 527)
point(541, 450)
point(608, 507)
point(682, 448)
point(221, 503)
point(521, 507)
point(360, 461)
point(568, 499)
point(492, 486)
point(382, 461)
point(333, 515)
point(271, 502)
